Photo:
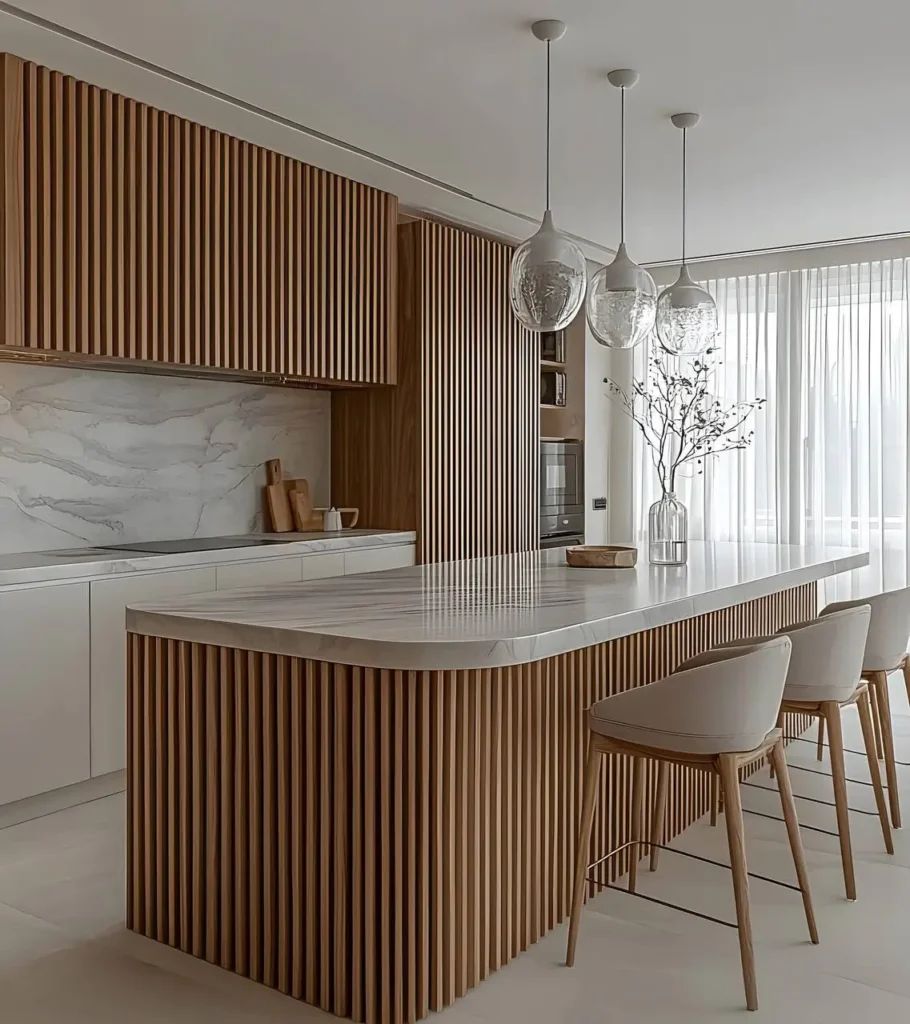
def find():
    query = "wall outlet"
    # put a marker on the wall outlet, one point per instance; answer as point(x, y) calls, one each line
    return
point(598, 504)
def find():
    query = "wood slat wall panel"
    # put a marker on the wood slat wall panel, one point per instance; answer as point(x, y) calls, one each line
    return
point(128, 233)
point(12, 155)
point(376, 843)
point(453, 450)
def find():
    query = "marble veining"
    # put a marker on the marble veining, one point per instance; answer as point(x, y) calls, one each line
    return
point(485, 612)
point(96, 457)
point(92, 563)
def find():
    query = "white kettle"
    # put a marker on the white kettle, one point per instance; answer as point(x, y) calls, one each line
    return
point(331, 520)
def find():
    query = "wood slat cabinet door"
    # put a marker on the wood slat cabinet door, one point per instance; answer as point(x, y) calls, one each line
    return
point(453, 450)
point(134, 234)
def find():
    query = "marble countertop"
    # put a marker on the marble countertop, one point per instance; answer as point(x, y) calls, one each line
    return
point(484, 612)
point(91, 563)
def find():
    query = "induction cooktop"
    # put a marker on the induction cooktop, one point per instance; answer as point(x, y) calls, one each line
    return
point(173, 547)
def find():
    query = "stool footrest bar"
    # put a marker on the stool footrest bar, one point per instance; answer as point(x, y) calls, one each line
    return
point(665, 903)
point(680, 853)
point(777, 817)
point(813, 799)
point(827, 775)
point(847, 750)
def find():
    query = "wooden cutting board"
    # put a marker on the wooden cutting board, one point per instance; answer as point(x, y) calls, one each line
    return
point(288, 501)
point(276, 497)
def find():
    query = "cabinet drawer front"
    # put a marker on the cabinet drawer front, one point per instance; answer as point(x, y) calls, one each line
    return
point(376, 559)
point(252, 574)
point(44, 699)
point(109, 599)
point(320, 567)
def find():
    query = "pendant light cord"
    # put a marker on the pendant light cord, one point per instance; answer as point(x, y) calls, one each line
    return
point(685, 132)
point(548, 124)
point(622, 166)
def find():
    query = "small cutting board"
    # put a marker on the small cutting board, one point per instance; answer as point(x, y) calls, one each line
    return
point(276, 497)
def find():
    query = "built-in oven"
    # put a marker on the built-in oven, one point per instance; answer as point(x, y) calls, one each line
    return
point(562, 492)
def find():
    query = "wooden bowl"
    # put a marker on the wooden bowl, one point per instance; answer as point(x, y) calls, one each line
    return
point(602, 556)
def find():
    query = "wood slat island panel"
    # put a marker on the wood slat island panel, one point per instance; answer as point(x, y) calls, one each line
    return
point(377, 842)
point(134, 238)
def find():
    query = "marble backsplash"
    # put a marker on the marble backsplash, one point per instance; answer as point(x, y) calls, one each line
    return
point(94, 457)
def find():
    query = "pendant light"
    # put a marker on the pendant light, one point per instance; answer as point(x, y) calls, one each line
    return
point(548, 273)
point(622, 297)
point(686, 313)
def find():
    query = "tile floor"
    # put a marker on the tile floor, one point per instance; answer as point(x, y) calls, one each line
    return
point(66, 957)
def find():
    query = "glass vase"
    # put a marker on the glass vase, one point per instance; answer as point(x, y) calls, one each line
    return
point(668, 531)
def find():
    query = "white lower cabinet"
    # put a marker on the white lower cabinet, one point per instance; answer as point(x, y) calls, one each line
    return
point(253, 574)
point(320, 567)
point(63, 695)
point(44, 695)
point(109, 599)
point(375, 559)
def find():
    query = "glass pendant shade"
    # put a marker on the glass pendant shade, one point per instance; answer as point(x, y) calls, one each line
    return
point(686, 318)
point(622, 301)
point(547, 279)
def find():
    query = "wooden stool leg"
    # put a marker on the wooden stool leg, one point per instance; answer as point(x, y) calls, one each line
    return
point(887, 732)
point(905, 668)
point(820, 749)
point(865, 718)
point(660, 810)
point(733, 814)
point(831, 711)
point(638, 796)
point(715, 798)
point(796, 844)
point(592, 771)
point(876, 720)
point(780, 725)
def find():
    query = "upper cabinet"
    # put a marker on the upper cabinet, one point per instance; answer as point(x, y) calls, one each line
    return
point(131, 235)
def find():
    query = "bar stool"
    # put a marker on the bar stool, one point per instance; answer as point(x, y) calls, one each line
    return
point(886, 651)
point(714, 717)
point(823, 677)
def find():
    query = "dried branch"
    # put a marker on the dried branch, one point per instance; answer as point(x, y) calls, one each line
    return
point(680, 419)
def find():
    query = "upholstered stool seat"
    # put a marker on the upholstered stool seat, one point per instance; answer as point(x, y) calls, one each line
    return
point(885, 652)
point(699, 709)
point(824, 676)
point(715, 716)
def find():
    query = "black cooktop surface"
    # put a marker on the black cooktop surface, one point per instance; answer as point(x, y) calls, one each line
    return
point(173, 547)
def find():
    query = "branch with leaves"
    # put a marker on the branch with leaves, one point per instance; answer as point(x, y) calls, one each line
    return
point(680, 419)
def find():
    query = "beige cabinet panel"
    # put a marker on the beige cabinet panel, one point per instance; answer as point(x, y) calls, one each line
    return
point(109, 599)
point(374, 559)
point(320, 567)
point(44, 696)
point(252, 574)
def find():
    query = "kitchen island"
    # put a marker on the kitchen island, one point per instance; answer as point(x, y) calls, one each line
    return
point(364, 791)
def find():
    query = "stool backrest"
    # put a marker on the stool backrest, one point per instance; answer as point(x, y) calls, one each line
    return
point(889, 628)
point(827, 657)
point(736, 691)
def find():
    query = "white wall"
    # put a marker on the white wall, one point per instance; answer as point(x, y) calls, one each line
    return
point(607, 440)
point(94, 457)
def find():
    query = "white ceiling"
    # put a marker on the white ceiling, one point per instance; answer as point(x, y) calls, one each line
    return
point(805, 133)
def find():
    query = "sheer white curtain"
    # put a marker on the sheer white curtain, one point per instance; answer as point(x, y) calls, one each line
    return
point(830, 461)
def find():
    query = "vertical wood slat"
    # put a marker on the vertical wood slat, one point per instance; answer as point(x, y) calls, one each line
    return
point(460, 431)
point(13, 192)
point(129, 233)
point(376, 842)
